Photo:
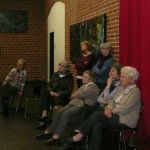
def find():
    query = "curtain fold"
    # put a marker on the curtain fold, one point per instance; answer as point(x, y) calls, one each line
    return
point(135, 48)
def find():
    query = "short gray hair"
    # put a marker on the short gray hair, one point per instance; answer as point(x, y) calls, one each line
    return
point(90, 73)
point(106, 46)
point(131, 72)
point(65, 64)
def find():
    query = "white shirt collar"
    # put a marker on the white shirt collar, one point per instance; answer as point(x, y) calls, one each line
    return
point(61, 75)
point(88, 84)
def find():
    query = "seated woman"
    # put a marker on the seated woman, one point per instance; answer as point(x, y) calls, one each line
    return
point(85, 62)
point(58, 93)
point(86, 95)
point(13, 83)
point(101, 69)
point(121, 112)
point(113, 83)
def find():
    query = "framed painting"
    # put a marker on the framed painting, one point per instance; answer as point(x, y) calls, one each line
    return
point(12, 21)
point(93, 30)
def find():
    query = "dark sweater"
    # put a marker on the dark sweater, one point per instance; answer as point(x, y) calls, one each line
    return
point(62, 85)
point(84, 63)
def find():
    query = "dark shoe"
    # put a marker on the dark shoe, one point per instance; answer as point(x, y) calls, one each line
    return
point(41, 126)
point(43, 119)
point(68, 145)
point(43, 136)
point(53, 141)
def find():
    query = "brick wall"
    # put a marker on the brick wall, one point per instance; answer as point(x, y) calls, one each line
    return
point(80, 10)
point(28, 45)
point(33, 45)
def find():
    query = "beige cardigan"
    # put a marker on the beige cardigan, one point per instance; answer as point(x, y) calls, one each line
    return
point(87, 93)
point(128, 107)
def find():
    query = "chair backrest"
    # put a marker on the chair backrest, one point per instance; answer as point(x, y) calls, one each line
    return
point(38, 85)
point(28, 89)
point(140, 115)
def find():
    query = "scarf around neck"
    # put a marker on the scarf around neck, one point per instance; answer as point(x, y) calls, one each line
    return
point(102, 59)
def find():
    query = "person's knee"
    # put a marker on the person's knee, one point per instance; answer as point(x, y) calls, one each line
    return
point(58, 115)
point(97, 113)
point(66, 114)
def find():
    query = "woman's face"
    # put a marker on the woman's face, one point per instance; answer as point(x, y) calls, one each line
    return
point(113, 73)
point(125, 80)
point(84, 47)
point(105, 51)
point(61, 68)
point(20, 65)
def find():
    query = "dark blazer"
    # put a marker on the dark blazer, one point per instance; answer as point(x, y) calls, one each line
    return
point(63, 85)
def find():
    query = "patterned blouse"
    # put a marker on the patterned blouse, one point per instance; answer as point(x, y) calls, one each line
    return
point(16, 78)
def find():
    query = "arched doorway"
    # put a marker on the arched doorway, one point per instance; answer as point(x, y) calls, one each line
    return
point(56, 36)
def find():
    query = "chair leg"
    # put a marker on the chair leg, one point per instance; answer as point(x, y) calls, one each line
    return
point(119, 144)
point(86, 143)
point(17, 104)
point(11, 99)
point(26, 106)
point(122, 142)
point(21, 100)
point(51, 112)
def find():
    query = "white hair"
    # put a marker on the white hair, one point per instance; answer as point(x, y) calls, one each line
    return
point(65, 64)
point(131, 72)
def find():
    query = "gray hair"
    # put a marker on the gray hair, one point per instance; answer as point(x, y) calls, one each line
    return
point(106, 46)
point(90, 73)
point(65, 64)
point(131, 72)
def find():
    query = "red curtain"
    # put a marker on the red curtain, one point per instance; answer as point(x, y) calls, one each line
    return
point(135, 48)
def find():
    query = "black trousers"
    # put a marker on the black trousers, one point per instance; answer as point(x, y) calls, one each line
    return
point(94, 126)
point(47, 100)
point(85, 111)
point(6, 92)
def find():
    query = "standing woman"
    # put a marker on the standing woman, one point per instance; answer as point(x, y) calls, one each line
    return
point(102, 67)
point(85, 62)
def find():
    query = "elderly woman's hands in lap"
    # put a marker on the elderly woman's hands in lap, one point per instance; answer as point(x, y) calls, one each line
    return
point(108, 112)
